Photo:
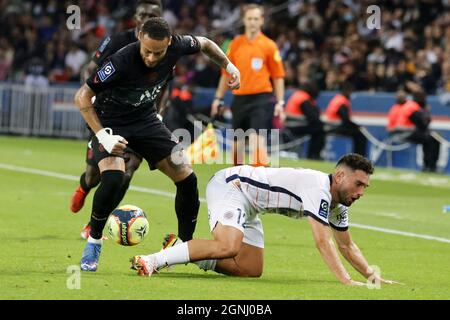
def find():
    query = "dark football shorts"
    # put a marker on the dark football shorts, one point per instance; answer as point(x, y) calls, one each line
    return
point(148, 138)
point(90, 154)
point(253, 111)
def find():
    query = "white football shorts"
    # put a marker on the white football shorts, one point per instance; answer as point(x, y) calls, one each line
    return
point(228, 205)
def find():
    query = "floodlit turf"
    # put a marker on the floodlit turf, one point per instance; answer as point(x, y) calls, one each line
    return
point(40, 237)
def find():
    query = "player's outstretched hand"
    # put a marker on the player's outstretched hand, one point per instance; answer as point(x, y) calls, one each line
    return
point(356, 283)
point(385, 281)
point(235, 77)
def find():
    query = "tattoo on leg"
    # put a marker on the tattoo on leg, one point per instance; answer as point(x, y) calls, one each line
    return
point(177, 167)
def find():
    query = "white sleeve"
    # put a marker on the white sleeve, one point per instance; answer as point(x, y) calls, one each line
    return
point(316, 204)
point(338, 218)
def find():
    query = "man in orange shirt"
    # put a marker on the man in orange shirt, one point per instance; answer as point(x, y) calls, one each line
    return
point(413, 120)
point(302, 108)
point(338, 113)
point(258, 59)
point(394, 112)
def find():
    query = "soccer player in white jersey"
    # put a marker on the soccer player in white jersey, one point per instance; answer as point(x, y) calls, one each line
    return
point(237, 195)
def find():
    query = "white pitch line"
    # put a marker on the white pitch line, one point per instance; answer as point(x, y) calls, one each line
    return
point(75, 178)
point(172, 195)
point(401, 233)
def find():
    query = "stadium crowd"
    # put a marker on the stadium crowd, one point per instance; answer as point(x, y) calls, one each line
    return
point(412, 47)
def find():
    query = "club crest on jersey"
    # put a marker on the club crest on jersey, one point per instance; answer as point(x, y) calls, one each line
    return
point(257, 64)
point(228, 215)
point(106, 71)
point(323, 210)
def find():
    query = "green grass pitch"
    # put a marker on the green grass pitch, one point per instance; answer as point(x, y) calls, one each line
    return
point(40, 237)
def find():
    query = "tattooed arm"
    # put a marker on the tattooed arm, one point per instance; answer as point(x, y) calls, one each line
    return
point(216, 54)
point(83, 100)
point(114, 144)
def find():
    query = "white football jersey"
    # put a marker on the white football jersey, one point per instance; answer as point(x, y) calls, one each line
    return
point(289, 191)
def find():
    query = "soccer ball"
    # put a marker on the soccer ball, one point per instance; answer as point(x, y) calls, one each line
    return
point(127, 225)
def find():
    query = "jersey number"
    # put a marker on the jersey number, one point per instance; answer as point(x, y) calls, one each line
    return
point(241, 214)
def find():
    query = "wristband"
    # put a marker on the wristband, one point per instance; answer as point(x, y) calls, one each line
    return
point(232, 69)
point(103, 134)
point(107, 139)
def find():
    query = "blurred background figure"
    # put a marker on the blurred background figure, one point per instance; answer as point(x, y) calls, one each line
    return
point(326, 43)
point(412, 124)
point(303, 118)
point(262, 73)
point(395, 110)
point(36, 73)
point(179, 106)
point(339, 113)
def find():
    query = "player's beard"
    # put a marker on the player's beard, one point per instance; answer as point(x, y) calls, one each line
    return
point(149, 64)
point(345, 199)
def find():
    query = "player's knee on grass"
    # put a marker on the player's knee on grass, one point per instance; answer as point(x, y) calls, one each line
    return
point(254, 272)
point(236, 267)
point(246, 272)
point(249, 262)
point(228, 249)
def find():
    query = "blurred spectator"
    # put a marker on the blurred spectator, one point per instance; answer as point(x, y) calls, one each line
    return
point(46, 28)
point(206, 74)
point(74, 60)
point(36, 73)
point(339, 113)
point(412, 124)
point(58, 70)
point(303, 118)
point(329, 39)
point(445, 85)
point(6, 58)
point(175, 115)
point(394, 111)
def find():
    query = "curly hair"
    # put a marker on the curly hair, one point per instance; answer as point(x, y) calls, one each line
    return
point(156, 28)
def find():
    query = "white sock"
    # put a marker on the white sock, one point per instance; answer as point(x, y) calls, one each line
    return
point(96, 241)
point(206, 264)
point(178, 254)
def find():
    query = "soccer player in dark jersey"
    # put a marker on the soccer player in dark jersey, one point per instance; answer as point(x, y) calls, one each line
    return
point(145, 9)
point(124, 116)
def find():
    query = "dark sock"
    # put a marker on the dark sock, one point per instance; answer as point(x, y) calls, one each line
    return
point(123, 190)
point(111, 182)
point(186, 206)
point(83, 183)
